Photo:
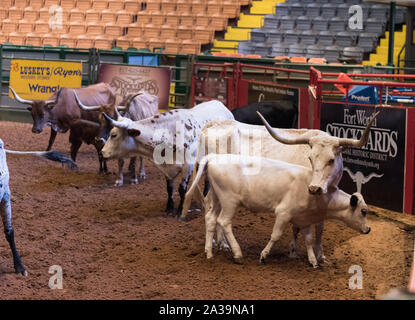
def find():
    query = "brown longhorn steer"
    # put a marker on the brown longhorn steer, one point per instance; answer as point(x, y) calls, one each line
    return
point(61, 113)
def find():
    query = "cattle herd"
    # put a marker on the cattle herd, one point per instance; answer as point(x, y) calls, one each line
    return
point(293, 173)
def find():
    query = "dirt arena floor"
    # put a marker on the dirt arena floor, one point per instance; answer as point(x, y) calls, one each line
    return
point(116, 243)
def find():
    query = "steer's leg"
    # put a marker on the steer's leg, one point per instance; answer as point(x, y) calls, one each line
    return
point(281, 220)
point(187, 171)
point(293, 244)
point(225, 221)
point(131, 170)
point(318, 246)
point(207, 186)
point(210, 222)
point(308, 237)
point(6, 216)
point(51, 139)
point(142, 169)
point(170, 202)
point(120, 181)
point(76, 142)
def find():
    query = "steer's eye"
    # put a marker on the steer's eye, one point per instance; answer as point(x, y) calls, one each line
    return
point(113, 135)
point(331, 162)
point(364, 212)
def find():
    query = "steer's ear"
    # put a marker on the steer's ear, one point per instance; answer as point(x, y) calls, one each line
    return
point(353, 201)
point(133, 132)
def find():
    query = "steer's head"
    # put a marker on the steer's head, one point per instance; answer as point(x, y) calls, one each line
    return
point(39, 109)
point(111, 111)
point(121, 138)
point(355, 214)
point(325, 154)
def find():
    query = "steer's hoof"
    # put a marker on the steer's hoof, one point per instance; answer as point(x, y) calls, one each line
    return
point(238, 260)
point(21, 269)
point(181, 218)
point(324, 260)
point(118, 183)
point(134, 181)
point(142, 177)
point(170, 212)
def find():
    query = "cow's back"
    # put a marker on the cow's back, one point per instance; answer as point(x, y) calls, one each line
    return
point(142, 107)
point(67, 111)
point(279, 114)
point(212, 110)
point(237, 133)
point(259, 183)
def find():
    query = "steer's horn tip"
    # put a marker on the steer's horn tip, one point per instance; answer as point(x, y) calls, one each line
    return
point(107, 117)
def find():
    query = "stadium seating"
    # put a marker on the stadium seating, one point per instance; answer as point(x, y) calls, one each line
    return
point(104, 24)
point(318, 28)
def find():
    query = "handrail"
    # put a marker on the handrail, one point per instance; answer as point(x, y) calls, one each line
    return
point(399, 54)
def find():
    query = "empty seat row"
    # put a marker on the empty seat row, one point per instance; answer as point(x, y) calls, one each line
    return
point(329, 10)
point(121, 16)
point(336, 24)
point(332, 53)
point(172, 45)
point(131, 5)
point(326, 38)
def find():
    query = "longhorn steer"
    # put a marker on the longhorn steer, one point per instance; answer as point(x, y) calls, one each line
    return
point(5, 197)
point(316, 150)
point(168, 139)
point(274, 186)
point(62, 113)
point(136, 107)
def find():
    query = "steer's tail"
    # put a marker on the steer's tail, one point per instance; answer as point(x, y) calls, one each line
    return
point(194, 187)
point(50, 155)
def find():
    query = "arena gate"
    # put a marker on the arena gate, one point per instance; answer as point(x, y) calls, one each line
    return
point(383, 170)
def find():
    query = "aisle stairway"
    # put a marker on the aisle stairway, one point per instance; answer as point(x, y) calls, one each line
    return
point(381, 55)
point(246, 22)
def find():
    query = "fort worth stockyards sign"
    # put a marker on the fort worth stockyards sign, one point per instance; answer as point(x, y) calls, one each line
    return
point(376, 170)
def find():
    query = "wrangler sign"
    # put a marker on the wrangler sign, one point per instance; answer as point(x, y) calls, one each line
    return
point(39, 79)
point(378, 169)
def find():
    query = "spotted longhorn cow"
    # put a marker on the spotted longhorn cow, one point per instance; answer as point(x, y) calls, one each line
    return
point(169, 140)
point(136, 107)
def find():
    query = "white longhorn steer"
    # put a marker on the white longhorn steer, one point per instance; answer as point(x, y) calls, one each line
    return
point(311, 148)
point(314, 149)
point(169, 140)
point(265, 185)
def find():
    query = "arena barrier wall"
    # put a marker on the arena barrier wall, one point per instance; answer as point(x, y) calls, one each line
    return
point(383, 171)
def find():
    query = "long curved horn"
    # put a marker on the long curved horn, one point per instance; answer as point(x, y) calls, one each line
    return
point(20, 99)
point(116, 123)
point(359, 143)
point(117, 112)
point(127, 104)
point(279, 138)
point(54, 101)
point(84, 107)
